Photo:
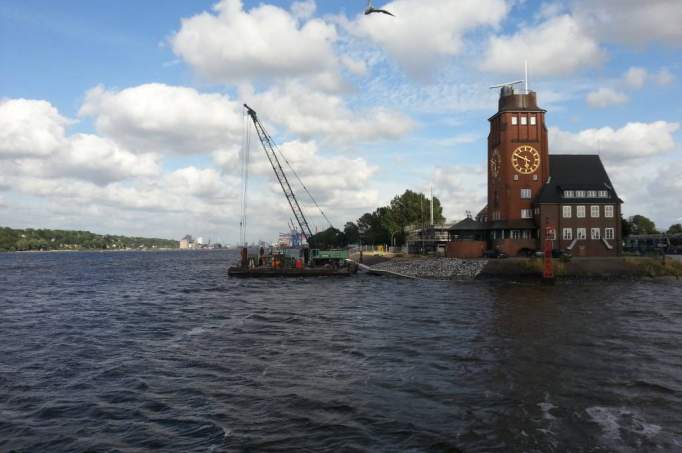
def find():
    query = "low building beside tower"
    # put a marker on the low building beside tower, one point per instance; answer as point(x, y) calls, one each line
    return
point(528, 188)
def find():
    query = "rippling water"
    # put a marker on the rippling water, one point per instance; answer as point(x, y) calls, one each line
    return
point(142, 351)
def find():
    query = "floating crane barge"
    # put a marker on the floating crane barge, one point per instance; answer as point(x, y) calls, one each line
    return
point(289, 262)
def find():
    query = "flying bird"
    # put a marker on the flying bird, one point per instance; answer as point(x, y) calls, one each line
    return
point(370, 9)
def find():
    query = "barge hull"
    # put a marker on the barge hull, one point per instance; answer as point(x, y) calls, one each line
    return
point(305, 272)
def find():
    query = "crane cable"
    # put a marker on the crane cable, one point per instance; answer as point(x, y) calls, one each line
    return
point(244, 161)
point(303, 185)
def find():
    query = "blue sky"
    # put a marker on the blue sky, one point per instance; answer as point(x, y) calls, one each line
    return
point(123, 117)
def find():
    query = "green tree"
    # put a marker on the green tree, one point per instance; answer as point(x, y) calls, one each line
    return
point(330, 238)
point(388, 224)
point(675, 229)
point(352, 233)
point(625, 227)
point(642, 225)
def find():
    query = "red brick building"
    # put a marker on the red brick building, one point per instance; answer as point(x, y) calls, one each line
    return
point(528, 187)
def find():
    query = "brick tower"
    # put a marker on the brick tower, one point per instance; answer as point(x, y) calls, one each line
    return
point(518, 164)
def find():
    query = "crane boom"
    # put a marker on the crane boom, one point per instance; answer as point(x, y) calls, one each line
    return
point(269, 148)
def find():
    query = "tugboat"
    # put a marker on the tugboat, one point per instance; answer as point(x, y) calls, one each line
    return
point(285, 262)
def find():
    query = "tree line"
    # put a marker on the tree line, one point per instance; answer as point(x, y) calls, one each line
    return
point(30, 239)
point(385, 225)
point(389, 224)
point(638, 224)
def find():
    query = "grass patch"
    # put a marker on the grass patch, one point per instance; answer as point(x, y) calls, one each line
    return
point(537, 266)
point(654, 267)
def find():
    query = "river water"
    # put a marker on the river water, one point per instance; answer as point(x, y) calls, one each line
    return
point(162, 351)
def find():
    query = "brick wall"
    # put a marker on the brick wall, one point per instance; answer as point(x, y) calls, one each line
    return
point(465, 249)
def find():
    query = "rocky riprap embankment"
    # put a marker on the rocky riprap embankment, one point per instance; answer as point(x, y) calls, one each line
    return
point(437, 268)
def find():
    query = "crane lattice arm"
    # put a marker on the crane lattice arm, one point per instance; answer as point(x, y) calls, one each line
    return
point(269, 148)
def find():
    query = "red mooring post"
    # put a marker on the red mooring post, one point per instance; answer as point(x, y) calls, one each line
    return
point(549, 234)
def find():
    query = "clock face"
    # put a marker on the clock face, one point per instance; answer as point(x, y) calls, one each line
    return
point(495, 163)
point(526, 159)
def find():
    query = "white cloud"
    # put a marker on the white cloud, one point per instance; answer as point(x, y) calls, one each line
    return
point(91, 158)
point(357, 67)
point(303, 9)
point(634, 140)
point(30, 128)
point(422, 33)
point(460, 188)
point(635, 77)
point(324, 176)
point(162, 118)
point(265, 42)
point(605, 97)
point(664, 77)
point(557, 46)
point(39, 147)
point(633, 22)
point(307, 114)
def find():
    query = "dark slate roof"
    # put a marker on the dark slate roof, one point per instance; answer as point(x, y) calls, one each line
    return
point(576, 172)
point(468, 224)
point(514, 224)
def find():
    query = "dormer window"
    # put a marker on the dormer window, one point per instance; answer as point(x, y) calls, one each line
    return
point(603, 194)
point(580, 194)
point(569, 194)
point(591, 194)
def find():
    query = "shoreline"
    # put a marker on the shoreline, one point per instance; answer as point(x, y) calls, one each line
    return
point(530, 269)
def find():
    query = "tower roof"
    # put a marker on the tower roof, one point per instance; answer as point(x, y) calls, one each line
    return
point(511, 101)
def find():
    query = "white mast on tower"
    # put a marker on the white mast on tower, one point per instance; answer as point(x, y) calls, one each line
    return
point(431, 205)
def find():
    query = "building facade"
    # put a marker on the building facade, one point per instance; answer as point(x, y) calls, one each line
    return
point(529, 189)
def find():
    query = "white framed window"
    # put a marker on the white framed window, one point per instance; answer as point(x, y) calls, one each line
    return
point(524, 120)
point(526, 194)
point(603, 194)
point(594, 212)
point(580, 194)
point(568, 234)
point(516, 177)
point(525, 234)
point(581, 233)
point(526, 213)
point(591, 194)
point(515, 234)
point(514, 121)
point(569, 194)
point(595, 233)
point(532, 120)
point(535, 177)
point(609, 233)
point(580, 212)
point(608, 211)
point(567, 212)
point(551, 234)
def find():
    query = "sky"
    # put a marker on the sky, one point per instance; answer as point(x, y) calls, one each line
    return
point(126, 117)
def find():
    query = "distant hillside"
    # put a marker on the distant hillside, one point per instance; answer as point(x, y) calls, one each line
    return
point(29, 239)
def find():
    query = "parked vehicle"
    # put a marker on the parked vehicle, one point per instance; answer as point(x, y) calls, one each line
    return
point(494, 254)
